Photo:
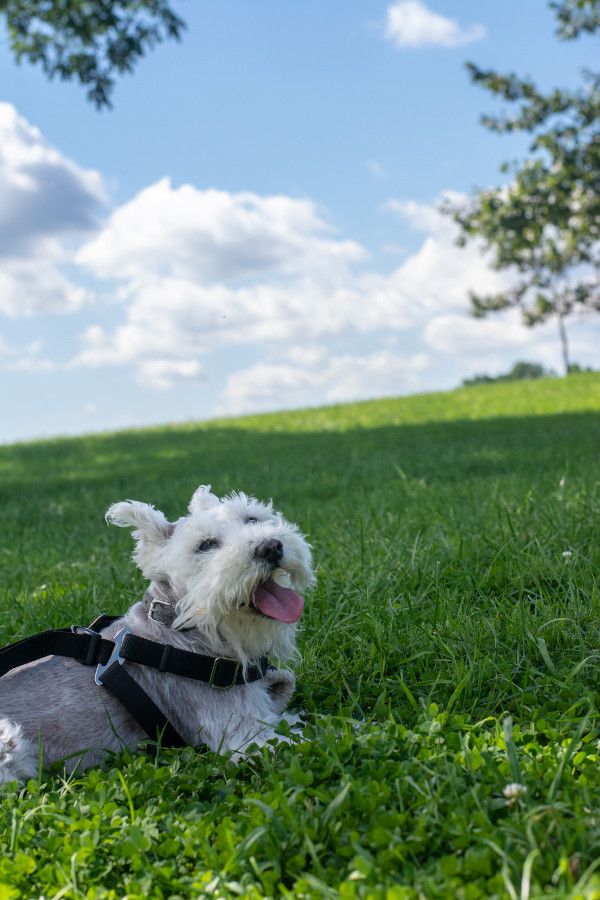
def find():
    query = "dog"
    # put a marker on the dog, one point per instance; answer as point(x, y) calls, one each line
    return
point(224, 582)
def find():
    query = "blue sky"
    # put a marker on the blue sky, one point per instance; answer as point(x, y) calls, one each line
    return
point(253, 225)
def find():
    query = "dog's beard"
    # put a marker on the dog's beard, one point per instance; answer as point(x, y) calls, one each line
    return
point(252, 635)
point(229, 617)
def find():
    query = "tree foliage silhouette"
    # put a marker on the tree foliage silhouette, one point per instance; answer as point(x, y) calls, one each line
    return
point(89, 41)
point(545, 224)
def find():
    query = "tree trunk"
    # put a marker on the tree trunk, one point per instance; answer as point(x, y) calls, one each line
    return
point(564, 342)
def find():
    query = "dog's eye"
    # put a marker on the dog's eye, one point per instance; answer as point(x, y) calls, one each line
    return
point(251, 520)
point(208, 544)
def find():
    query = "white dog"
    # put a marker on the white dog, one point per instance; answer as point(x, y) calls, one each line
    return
point(223, 584)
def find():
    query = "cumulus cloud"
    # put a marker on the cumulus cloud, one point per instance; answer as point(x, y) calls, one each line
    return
point(447, 332)
point(336, 379)
point(46, 200)
point(491, 345)
point(33, 286)
point(161, 373)
point(23, 359)
point(426, 216)
point(409, 23)
point(439, 275)
point(445, 341)
point(305, 283)
point(200, 274)
point(212, 236)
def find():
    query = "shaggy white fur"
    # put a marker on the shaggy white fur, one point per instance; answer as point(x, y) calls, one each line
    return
point(230, 570)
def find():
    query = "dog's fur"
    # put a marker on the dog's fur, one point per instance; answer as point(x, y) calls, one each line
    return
point(206, 566)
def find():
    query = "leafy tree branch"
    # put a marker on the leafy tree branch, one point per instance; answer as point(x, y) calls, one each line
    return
point(544, 226)
point(89, 41)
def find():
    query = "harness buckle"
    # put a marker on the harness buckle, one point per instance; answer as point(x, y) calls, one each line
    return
point(153, 604)
point(213, 673)
point(115, 656)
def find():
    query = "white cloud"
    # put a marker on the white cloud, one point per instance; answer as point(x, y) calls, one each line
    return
point(491, 345)
point(409, 23)
point(426, 216)
point(161, 373)
point(198, 272)
point(211, 236)
point(45, 200)
point(203, 269)
point(311, 290)
point(439, 275)
point(306, 354)
point(394, 249)
point(268, 386)
point(376, 169)
point(447, 333)
point(36, 286)
point(23, 359)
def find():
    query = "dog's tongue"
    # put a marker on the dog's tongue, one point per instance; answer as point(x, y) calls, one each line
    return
point(278, 602)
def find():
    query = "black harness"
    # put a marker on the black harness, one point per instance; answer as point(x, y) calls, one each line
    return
point(87, 646)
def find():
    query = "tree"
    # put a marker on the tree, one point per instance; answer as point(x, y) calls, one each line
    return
point(88, 40)
point(545, 225)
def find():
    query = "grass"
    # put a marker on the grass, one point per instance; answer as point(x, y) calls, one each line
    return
point(450, 648)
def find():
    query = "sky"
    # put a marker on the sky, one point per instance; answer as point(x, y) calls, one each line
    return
point(254, 225)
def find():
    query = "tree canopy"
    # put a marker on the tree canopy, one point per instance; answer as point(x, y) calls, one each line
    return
point(545, 224)
point(89, 41)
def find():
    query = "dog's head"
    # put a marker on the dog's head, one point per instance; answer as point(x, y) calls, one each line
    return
point(234, 566)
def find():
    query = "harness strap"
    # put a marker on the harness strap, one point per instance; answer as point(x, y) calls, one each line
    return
point(91, 649)
point(88, 647)
point(137, 702)
point(220, 672)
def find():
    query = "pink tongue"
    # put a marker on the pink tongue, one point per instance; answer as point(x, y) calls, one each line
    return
point(278, 602)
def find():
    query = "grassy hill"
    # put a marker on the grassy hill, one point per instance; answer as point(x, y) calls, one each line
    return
point(450, 648)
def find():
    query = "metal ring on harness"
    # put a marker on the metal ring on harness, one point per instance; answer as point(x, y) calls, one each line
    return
point(115, 656)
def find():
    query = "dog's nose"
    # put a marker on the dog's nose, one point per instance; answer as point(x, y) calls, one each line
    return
point(271, 551)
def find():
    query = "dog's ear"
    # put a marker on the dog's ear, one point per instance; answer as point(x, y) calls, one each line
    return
point(203, 499)
point(150, 524)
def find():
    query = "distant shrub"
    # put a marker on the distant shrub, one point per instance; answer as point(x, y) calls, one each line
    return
point(575, 369)
point(520, 371)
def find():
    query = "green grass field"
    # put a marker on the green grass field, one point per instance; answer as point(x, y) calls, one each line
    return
point(451, 647)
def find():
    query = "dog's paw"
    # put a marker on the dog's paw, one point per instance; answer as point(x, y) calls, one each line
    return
point(18, 756)
point(280, 684)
